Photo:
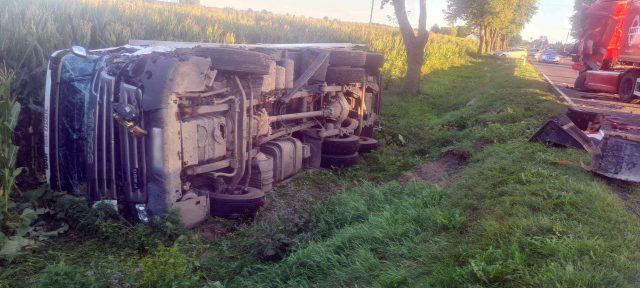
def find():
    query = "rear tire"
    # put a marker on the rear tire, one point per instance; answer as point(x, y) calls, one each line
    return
point(347, 58)
point(341, 145)
point(367, 145)
point(627, 86)
point(339, 161)
point(227, 205)
point(235, 60)
point(374, 60)
point(345, 75)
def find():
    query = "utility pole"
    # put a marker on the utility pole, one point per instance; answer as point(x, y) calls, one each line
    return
point(371, 15)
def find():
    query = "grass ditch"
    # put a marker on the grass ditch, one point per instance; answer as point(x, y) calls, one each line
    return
point(521, 214)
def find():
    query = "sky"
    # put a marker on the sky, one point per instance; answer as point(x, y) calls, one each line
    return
point(552, 19)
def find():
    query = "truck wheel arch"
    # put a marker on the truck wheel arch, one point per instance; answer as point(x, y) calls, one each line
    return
point(626, 85)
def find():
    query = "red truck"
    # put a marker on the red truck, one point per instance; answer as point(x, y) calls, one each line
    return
point(608, 51)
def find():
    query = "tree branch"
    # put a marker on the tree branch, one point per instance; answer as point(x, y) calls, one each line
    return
point(423, 33)
point(403, 22)
point(422, 21)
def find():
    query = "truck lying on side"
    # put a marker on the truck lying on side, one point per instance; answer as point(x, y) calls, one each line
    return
point(608, 51)
point(204, 128)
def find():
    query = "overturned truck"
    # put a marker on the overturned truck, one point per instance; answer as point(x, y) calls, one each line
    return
point(204, 128)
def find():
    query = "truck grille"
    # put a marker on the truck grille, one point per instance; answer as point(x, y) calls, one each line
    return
point(101, 149)
point(132, 150)
point(117, 168)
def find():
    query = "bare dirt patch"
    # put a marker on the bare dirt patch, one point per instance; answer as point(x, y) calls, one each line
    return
point(289, 200)
point(443, 172)
point(628, 192)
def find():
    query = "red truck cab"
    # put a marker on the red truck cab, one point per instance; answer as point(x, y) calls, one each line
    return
point(602, 25)
point(608, 50)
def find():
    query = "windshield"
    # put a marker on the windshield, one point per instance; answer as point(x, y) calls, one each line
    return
point(74, 94)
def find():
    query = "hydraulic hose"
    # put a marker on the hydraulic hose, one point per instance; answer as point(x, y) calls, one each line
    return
point(249, 158)
point(241, 144)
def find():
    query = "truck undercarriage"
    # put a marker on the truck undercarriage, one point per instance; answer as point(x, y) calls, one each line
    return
point(204, 128)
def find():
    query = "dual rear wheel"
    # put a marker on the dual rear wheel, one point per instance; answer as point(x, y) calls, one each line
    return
point(627, 85)
point(340, 152)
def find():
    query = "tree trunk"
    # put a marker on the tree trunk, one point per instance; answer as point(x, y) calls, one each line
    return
point(494, 40)
point(481, 40)
point(486, 41)
point(487, 36)
point(414, 45)
point(415, 57)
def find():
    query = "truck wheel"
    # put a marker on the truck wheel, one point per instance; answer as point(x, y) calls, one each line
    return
point(347, 58)
point(339, 161)
point(344, 75)
point(341, 145)
point(374, 60)
point(236, 60)
point(627, 86)
point(367, 145)
point(579, 84)
point(227, 205)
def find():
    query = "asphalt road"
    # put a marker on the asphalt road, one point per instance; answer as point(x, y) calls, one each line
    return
point(620, 116)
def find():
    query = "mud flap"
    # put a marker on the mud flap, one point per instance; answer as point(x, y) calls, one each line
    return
point(617, 157)
point(562, 132)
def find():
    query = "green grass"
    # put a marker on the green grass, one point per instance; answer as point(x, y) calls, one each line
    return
point(518, 216)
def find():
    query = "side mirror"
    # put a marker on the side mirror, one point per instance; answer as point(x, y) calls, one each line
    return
point(79, 51)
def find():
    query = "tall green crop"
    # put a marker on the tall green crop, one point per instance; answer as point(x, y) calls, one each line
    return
point(9, 110)
point(30, 30)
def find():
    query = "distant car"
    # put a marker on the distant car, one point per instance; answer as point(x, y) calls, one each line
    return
point(550, 57)
point(540, 53)
point(532, 52)
point(517, 53)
